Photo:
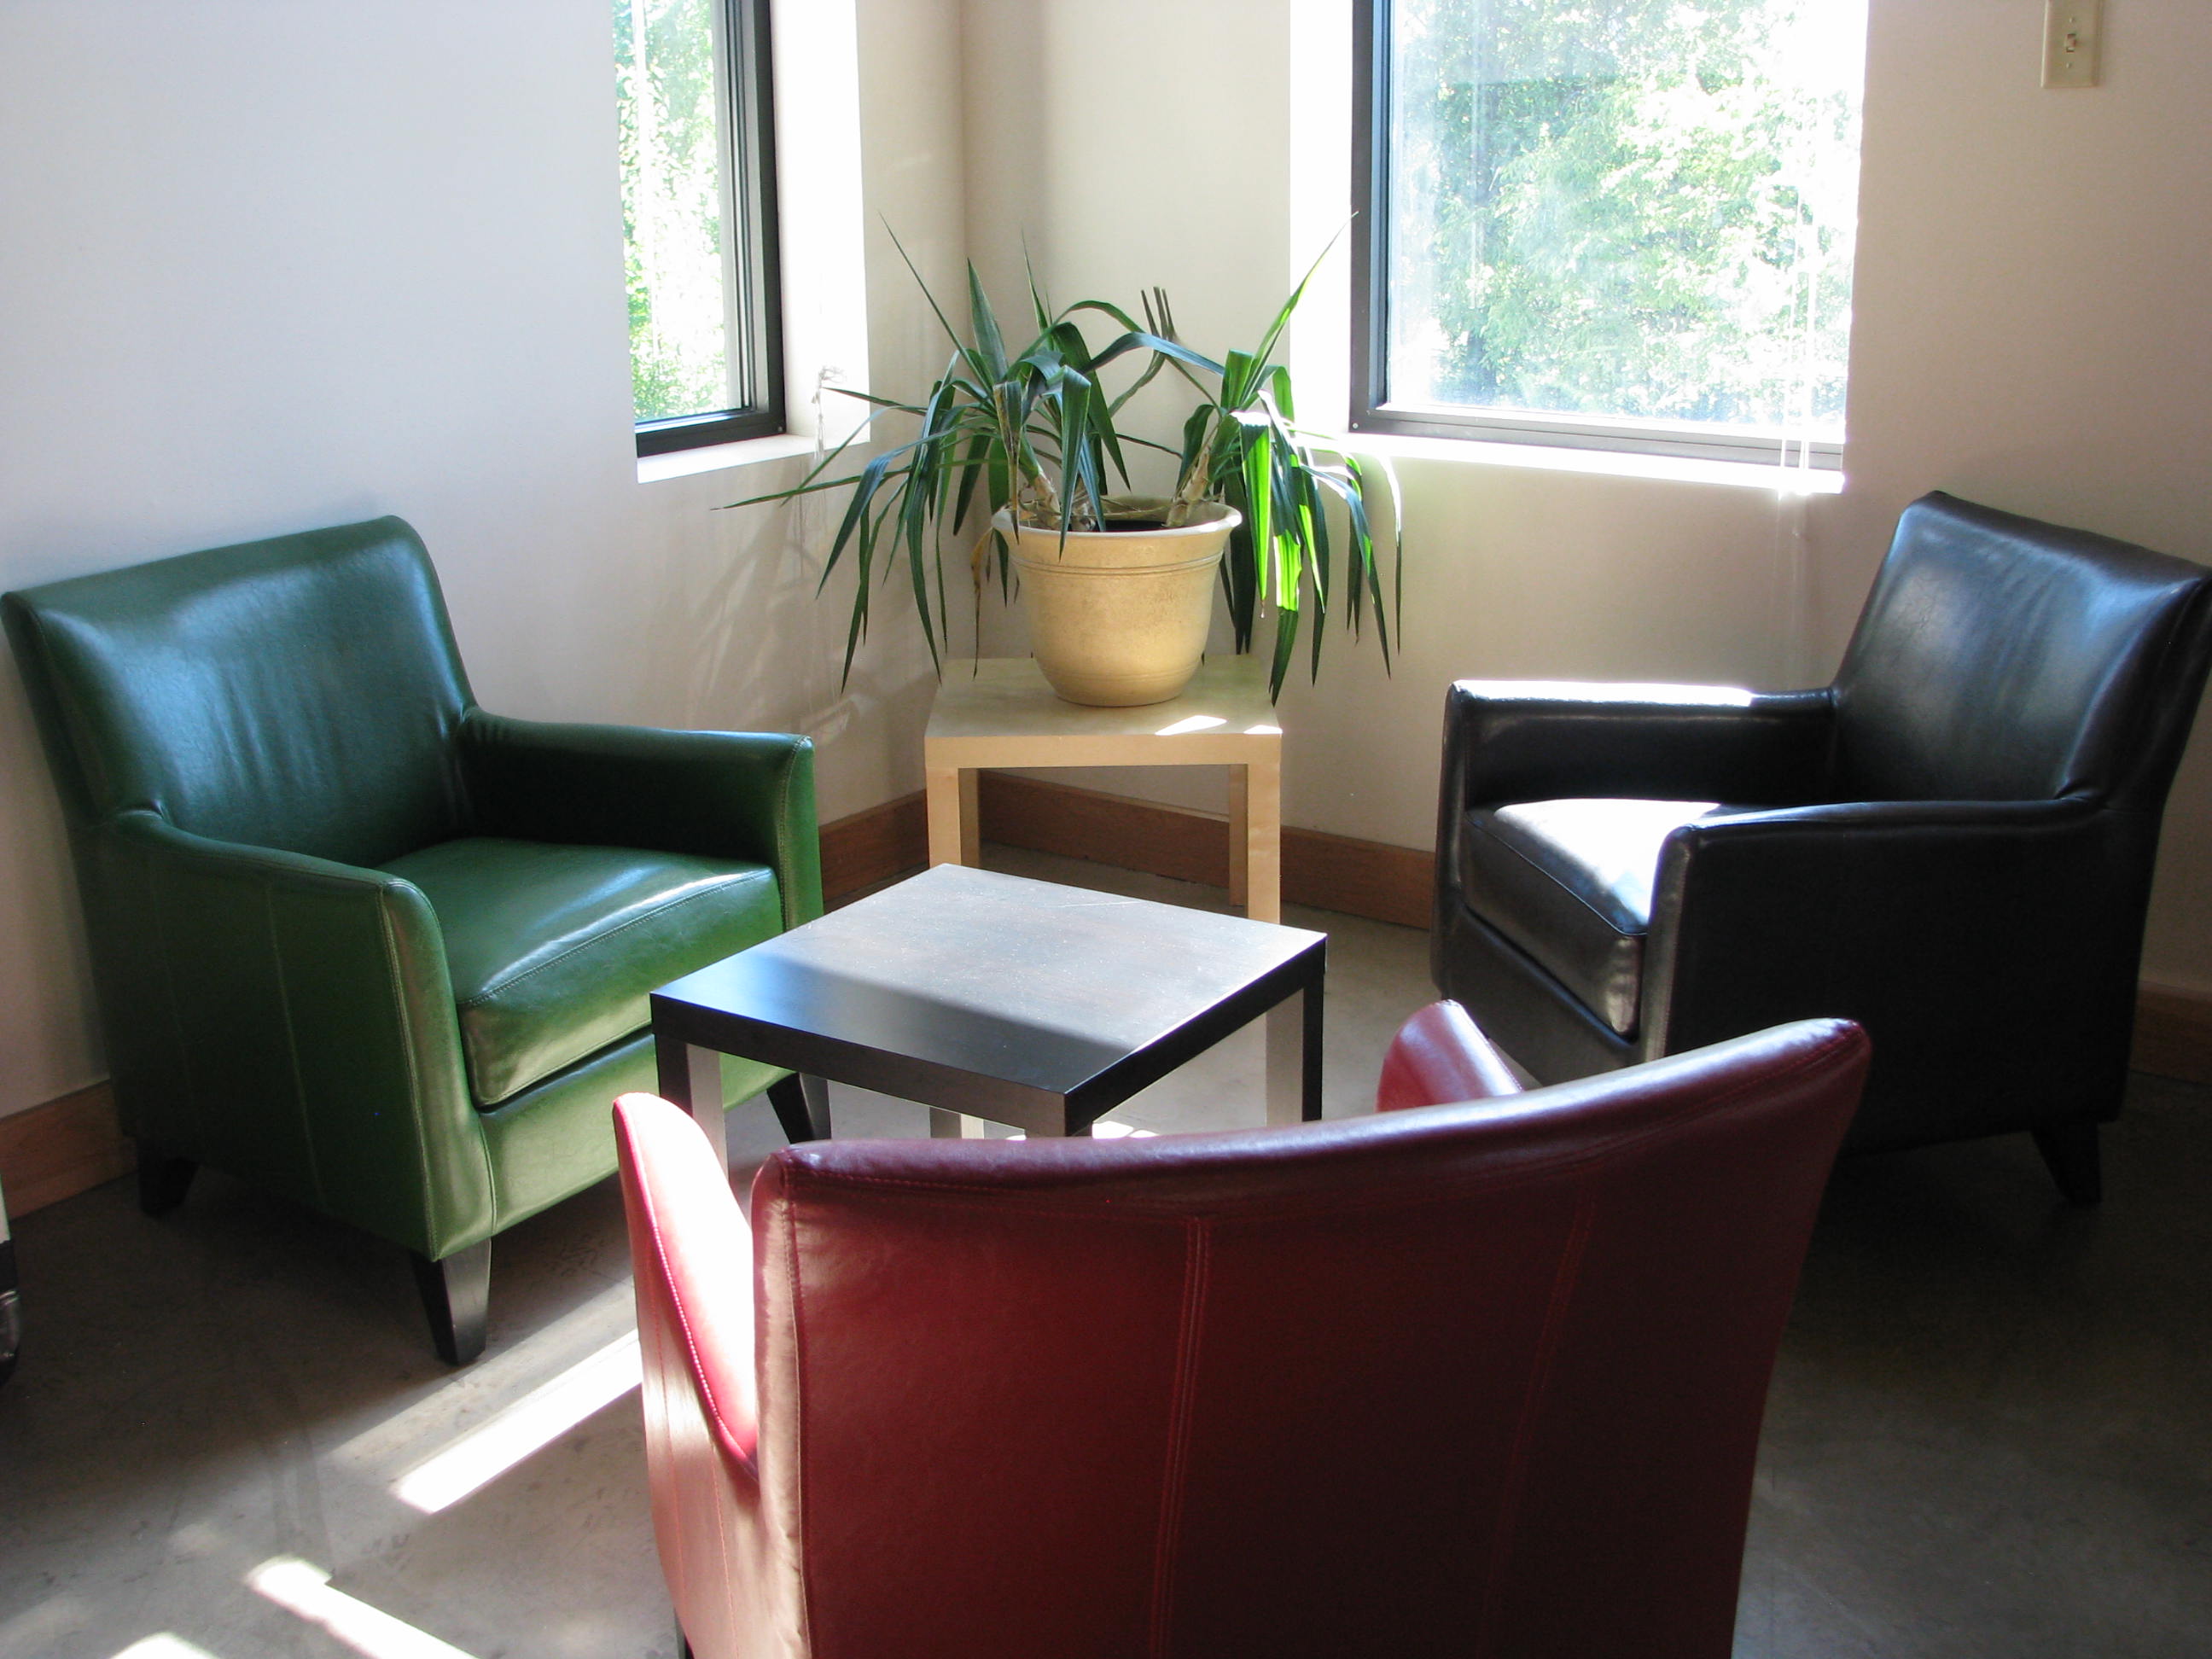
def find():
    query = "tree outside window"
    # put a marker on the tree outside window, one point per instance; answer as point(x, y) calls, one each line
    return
point(698, 220)
point(1627, 224)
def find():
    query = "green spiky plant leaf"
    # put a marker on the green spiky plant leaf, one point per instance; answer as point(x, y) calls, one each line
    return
point(1033, 433)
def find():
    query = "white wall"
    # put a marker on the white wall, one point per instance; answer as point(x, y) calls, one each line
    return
point(2034, 324)
point(275, 264)
point(2031, 330)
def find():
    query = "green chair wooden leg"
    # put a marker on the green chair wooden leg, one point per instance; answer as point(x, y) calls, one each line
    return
point(164, 1178)
point(456, 1293)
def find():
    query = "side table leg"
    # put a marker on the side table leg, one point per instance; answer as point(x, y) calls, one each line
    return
point(1240, 836)
point(946, 1125)
point(943, 785)
point(1294, 1057)
point(692, 1078)
point(1263, 840)
point(955, 828)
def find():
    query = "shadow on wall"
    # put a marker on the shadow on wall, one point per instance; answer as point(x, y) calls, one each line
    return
point(738, 639)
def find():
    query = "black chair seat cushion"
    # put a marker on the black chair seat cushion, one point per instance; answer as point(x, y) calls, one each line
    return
point(1570, 883)
point(553, 948)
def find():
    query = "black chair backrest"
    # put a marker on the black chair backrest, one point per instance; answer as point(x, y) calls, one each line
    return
point(2002, 659)
point(300, 693)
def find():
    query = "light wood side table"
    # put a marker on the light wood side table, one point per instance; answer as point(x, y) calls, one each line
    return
point(999, 711)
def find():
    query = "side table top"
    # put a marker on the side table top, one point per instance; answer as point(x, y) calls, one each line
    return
point(1001, 700)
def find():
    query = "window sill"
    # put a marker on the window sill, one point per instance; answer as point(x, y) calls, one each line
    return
point(721, 457)
point(1605, 463)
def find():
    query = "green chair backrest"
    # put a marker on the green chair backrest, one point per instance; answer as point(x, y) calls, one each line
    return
point(299, 692)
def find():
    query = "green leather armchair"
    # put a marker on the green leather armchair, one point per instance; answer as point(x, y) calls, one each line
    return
point(360, 942)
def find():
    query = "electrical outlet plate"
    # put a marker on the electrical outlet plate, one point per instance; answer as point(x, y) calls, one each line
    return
point(2073, 36)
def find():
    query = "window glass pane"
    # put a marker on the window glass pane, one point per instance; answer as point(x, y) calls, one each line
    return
point(676, 205)
point(1623, 208)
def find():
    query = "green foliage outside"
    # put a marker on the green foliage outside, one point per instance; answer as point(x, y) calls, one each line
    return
point(1637, 208)
point(671, 193)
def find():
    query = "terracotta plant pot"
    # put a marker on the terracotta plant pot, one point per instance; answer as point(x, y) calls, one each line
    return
point(1119, 618)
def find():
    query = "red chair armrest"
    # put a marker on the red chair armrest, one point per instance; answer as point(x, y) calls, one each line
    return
point(1440, 1055)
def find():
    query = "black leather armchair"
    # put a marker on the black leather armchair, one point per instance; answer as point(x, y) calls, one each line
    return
point(1952, 844)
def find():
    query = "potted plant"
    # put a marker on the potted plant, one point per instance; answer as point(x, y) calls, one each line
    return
point(1118, 585)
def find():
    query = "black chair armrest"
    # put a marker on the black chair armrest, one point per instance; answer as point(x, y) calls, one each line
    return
point(1514, 740)
point(1876, 911)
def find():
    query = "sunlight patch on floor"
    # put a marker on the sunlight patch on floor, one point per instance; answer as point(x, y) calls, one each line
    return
point(538, 1419)
point(303, 1589)
point(470, 1397)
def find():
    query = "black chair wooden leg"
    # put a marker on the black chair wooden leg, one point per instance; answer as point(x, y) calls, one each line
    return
point(802, 1106)
point(455, 1294)
point(163, 1178)
point(2069, 1152)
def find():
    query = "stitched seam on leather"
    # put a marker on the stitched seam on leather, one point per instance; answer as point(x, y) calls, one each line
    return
point(1599, 915)
point(797, 1524)
point(1565, 1277)
point(646, 1197)
point(292, 1046)
point(1198, 1253)
point(497, 986)
point(169, 959)
point(1059, 1201)
point(389, 937)
point(690, 1340)
point(786, 840)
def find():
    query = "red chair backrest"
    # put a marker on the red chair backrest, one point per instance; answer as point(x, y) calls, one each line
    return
point(1483, 1379)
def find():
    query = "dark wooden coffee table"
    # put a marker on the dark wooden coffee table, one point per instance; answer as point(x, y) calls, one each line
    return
point(1020, 1002)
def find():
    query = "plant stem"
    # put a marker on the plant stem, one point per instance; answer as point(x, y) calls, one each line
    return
point(1192, 490)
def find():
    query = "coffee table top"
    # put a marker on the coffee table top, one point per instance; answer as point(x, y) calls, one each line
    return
point(999, 704)
point(993, 995)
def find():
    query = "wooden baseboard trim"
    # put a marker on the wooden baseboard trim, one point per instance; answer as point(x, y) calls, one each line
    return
point(1369, 878)
point(1330, 872)
point(874, 846)
point(56, 1150)
point(59, 1149)
point(1176, 841)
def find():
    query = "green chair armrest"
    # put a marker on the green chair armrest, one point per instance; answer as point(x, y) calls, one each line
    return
point(744, 795)
point(291, 1020)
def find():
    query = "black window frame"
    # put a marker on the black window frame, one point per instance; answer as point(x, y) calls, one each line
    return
point(749, 116)
point(1371, 411)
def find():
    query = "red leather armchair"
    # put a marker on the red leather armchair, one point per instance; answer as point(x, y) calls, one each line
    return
point(1482, 1379)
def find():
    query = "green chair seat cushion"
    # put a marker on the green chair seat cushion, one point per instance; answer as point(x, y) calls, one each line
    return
point(553, 948)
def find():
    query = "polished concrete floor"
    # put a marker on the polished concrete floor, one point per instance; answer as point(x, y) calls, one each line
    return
point(1990, 1432)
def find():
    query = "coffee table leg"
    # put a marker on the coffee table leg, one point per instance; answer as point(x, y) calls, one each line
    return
point(692, 1078)
point(1294, 1058)
point(952, 1126)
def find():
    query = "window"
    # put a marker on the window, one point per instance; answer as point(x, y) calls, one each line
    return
point(1616, 224)
point(698, 189)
